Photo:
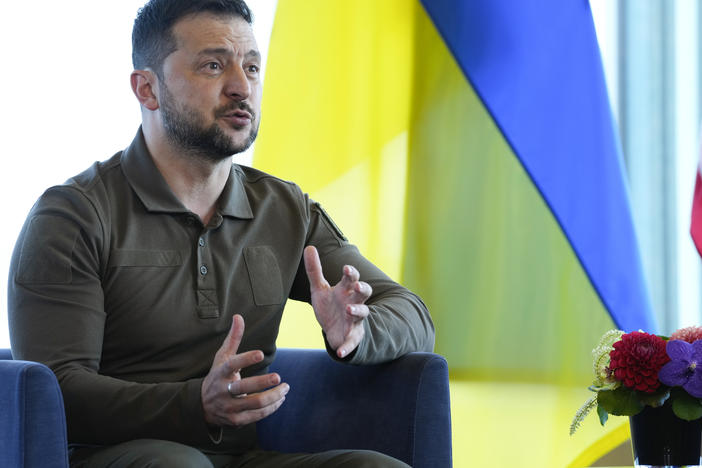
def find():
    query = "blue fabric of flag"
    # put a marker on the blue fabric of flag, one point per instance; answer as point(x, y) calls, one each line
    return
point(536, 66)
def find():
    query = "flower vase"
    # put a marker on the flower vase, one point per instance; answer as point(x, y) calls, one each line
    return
point(661, 439)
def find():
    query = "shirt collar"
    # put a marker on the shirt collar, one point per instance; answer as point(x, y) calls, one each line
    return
point(153, 190)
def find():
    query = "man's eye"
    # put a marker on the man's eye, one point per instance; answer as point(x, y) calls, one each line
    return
point(253, 69)
point(214, 66)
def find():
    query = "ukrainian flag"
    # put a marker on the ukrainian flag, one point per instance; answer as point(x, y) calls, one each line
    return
point(468, 149)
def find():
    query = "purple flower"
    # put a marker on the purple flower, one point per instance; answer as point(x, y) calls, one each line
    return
point(685, 367)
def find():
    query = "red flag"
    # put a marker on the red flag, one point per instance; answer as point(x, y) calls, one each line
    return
point(696, 223)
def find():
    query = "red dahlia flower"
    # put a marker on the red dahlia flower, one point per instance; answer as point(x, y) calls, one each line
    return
point(636, 360)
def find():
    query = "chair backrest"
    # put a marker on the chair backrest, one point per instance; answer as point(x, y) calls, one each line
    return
point(400, 408)
point(32, 420)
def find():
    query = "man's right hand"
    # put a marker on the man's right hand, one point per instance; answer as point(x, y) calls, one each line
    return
point(229, 400)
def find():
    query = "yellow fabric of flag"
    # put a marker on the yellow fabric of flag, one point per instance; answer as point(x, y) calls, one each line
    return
point(340, 104)
point(340, 131)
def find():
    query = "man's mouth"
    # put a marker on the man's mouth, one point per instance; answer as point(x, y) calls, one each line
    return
point(238, 118)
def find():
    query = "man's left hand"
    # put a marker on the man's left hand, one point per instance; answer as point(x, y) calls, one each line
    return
point(341, 309)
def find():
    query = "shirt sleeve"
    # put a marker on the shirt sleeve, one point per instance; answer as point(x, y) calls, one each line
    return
point(57, 317)
point(398, 323)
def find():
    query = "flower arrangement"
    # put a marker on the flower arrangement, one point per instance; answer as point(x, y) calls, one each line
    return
point(638, 369)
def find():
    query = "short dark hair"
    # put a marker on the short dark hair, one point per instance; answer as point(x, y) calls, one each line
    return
point(152, 35)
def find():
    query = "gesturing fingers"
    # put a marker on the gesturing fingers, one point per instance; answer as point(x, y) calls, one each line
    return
point(313, 267)
point(357, 311)
point(254, 406)
point(233, 364)
point(233, 339)
point(361, 292)
point(351, 276)
point(236, 401)
point(341, 309)
point(248, 385)
point(355, 290)
point(353, 337)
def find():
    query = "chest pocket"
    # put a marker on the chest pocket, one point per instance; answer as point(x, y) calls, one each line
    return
point(264, 275)
point(145, 258)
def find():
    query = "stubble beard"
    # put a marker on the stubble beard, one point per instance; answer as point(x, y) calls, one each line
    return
point(186, 129)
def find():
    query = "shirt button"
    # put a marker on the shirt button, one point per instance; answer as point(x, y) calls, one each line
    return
point(203, 270)
point(201, 242)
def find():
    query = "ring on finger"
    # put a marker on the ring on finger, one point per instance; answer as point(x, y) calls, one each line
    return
point(232, 393)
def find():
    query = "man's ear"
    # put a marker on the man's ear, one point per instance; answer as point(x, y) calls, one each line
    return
point(144, 85)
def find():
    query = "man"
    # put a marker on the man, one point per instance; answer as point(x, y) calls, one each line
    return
point(153, 283)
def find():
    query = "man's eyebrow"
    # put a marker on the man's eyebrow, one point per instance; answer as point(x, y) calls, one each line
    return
point(253, 53)
point(215, 51)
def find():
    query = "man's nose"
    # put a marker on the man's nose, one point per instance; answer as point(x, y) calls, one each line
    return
point(238, 86)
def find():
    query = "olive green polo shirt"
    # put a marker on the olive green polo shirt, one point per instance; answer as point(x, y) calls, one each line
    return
point(127, 296)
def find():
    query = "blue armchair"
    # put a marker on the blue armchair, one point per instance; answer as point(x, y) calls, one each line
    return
point(400, 408)
point(32, 420)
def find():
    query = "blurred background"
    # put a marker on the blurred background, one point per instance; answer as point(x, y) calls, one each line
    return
point(366, 108)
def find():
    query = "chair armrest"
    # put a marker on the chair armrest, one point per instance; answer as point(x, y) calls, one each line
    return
point(32, 417)
point(400, 408)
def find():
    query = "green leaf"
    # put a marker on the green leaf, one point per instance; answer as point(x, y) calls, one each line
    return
point(602, 414)
point(686, 407)
point(655, 399)
point(620, 402)
point(599, 386)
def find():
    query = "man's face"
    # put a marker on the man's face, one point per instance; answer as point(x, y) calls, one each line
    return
point(210, 94)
